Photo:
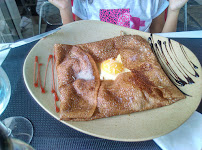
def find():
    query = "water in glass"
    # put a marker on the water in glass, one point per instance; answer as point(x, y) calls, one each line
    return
point(5, 90)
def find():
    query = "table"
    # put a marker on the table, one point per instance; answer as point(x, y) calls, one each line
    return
point(50, 133)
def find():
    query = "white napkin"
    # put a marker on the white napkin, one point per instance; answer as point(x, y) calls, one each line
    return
point(4, 53)
point(186, 137)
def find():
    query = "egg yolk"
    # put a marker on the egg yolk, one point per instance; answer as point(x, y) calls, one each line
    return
point(112, 66)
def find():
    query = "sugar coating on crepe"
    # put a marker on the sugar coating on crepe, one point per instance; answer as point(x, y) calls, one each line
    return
point(78, 82)
point(85, 97)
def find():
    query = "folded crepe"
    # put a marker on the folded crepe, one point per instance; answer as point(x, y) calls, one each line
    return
point(84, 96)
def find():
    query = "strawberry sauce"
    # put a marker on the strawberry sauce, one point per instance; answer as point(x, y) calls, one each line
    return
point(37, 80)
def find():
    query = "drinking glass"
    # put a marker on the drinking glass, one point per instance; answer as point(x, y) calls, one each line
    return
point(16, 127)
point(8, 143)
point(5, 90)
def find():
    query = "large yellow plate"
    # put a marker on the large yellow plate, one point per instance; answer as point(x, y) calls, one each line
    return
point(134, 127)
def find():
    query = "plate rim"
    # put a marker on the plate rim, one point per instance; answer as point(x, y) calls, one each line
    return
point(76, 128)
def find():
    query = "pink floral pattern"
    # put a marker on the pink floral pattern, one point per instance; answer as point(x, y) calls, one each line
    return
point(121, 17)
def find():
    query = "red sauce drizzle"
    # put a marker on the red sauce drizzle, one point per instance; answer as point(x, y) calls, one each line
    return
point(35, 63)
point(38, 80)
point(44, 84)
point(53, 83)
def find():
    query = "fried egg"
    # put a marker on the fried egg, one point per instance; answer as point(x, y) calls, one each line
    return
point(111, 68)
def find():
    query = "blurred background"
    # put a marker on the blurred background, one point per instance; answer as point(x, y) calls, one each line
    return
point(20, 19)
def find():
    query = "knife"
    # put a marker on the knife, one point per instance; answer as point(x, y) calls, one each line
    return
point(6, 46)
point(184, 34)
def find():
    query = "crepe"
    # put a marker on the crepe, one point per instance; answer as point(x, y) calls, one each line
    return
point(84, 96)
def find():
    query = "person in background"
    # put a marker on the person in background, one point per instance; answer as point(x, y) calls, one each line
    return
point(143, 15)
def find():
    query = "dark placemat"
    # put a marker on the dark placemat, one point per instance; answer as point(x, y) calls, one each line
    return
point(48, 132)
point(195, 45)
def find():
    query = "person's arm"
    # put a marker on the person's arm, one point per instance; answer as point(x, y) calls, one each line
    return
point(170, 25)
point(171, 21)
point(173, 13)
point(158, 23)
point(66, 15)
point(65, 8)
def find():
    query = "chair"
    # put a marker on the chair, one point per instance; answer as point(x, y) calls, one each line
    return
point(193, 19)
point(185, 17)
point(50, 14)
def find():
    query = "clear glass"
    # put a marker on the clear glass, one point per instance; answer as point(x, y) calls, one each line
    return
point(15, 127)
point(20, 145)
point(9, 143)
point(19, 128)
point(5, 90)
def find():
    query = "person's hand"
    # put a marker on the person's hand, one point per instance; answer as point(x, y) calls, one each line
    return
point(61, 4)
point(176, 5)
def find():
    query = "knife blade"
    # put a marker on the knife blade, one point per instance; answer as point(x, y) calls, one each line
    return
point(28, 40)
point(182, 34)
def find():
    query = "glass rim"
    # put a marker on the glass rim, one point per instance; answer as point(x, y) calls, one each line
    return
point(4, 76)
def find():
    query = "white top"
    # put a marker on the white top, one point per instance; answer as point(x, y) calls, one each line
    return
point(135, 14)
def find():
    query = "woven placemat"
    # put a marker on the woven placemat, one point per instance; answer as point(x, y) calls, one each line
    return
point(50, 133)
